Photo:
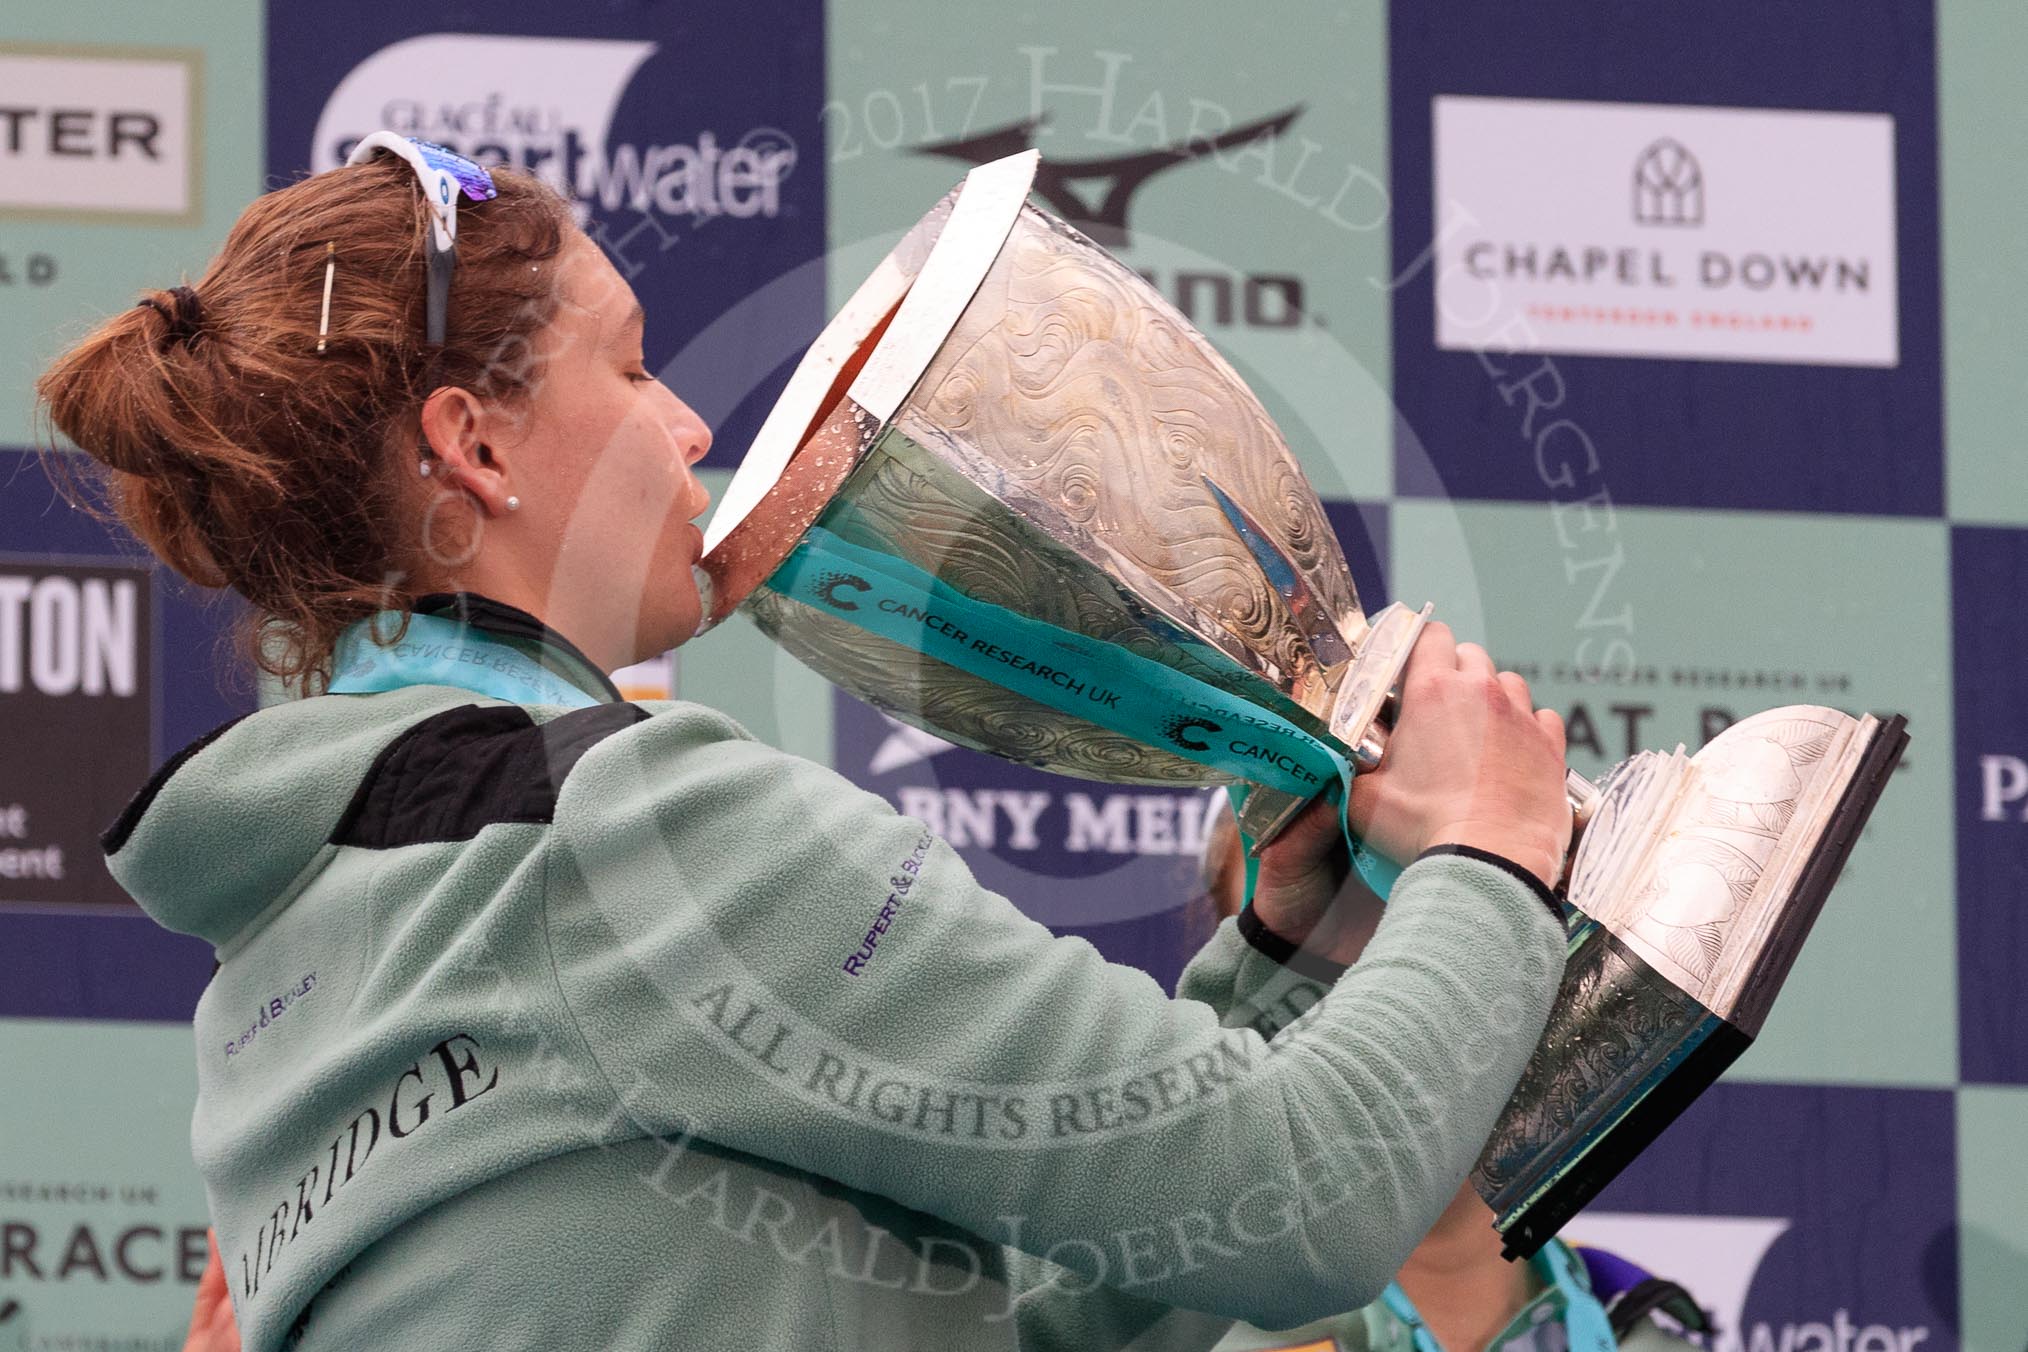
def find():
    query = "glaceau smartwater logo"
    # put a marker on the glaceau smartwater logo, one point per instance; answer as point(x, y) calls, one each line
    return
point(471, 92)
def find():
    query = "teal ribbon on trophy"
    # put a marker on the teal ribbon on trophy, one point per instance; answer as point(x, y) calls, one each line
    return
point(1086, 678)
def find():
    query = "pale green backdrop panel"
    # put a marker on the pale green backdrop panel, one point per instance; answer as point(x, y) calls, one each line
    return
point(123, 1093)
point(102, 266)
point(1983, 155)
point(1311, 205)
point(1852, 605)
point(1992, 1200)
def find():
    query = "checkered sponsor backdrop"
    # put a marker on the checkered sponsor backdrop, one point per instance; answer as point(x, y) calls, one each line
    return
point(1663, 425)
point(1618, 333)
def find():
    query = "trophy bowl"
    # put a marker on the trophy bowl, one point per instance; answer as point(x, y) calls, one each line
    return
point(1008, 407)
point(1012, 497)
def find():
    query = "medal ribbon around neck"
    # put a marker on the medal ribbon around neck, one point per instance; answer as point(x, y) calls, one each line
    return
point(437, 651)
point(1585, 1322)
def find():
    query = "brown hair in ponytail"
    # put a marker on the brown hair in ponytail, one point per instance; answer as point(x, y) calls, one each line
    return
point(245, 458)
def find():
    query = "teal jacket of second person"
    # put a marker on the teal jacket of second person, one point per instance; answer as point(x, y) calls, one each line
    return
point(615, 1027)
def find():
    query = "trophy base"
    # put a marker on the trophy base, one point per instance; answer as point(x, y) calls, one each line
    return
point(1627, 1049)
point(1612, 1006)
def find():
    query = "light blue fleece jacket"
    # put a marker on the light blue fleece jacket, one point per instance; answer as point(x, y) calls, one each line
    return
point(618, 1028)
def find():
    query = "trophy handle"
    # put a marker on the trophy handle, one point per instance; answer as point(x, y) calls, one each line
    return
point(1584, 797)
point(1362, 714)
point(1368, 691)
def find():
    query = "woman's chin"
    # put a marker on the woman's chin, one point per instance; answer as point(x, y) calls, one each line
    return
point(670, 611)
point(672, 624)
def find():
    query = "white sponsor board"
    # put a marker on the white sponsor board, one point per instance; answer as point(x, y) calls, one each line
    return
point(547, 105)
point(1660, 230)
point(98, 130)
point(1716, 1259)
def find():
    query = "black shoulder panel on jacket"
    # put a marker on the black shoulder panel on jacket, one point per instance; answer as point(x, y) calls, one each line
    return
point(114, 838)
point(466, 768)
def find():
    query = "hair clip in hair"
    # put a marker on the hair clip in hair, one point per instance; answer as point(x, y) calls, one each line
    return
point(330, 268)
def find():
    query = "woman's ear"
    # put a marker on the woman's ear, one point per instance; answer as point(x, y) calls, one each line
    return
point(454, 448)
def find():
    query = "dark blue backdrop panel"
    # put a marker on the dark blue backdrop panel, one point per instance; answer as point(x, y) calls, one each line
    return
point(1676, 432)
point(1989, 578)
point(106, 960)
point(1362, 529)
point(1865, 1179)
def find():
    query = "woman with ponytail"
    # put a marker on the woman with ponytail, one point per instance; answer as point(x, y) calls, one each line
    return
point(532, 1025)
point(246, 457)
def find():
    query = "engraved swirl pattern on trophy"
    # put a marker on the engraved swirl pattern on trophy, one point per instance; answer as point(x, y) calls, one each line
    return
point(890, 505)
point(914, 504)
point(1069, 386)
point(1612, 1022)
point(1683, 908)
point(1092, 393)
point(961, 708)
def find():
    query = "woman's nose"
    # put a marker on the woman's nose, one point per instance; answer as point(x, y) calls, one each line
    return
point(691, 434)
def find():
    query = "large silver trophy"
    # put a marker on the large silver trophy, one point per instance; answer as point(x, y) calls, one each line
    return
point(1012, 497)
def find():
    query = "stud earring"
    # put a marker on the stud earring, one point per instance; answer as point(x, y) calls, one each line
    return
point(423, 468)
point(513, 504)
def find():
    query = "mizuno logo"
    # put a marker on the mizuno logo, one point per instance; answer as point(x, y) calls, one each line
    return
point(1100, 209)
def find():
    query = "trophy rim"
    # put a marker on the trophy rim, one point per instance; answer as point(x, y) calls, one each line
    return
point(804, 401)
point(878, 346)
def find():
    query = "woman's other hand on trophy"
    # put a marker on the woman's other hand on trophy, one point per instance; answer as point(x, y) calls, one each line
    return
point(1470, 761)
point(1302, 873)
